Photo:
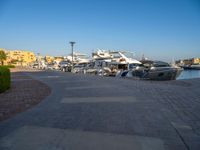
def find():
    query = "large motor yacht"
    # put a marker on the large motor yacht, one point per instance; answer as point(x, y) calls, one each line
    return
point(153, 70)
point(108, 63)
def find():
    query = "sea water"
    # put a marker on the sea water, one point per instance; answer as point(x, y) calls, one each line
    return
point(189, 74)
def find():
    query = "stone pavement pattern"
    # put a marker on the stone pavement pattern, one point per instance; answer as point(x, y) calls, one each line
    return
point(24, 93)
point(91, 112)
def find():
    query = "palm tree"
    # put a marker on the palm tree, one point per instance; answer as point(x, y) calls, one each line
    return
point(2, 56)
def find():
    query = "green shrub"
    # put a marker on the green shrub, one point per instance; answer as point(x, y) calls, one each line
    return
point(9, 66)
point(4, 78)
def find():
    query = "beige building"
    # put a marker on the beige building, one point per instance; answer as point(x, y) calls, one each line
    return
point(49, 59)
point(196, 60)
point(19, 57)
point(190, 61)
point(58, 59)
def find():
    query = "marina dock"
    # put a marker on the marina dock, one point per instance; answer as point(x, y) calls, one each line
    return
point(94, 113)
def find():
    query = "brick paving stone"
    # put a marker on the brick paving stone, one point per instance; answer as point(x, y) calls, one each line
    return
point(167, 110)
point(25, 92)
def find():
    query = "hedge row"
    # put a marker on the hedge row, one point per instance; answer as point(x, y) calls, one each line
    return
point(4, 78)
point(9, 66)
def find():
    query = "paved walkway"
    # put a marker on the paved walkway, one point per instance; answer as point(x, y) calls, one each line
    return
point(24, 93)
point(91, 112)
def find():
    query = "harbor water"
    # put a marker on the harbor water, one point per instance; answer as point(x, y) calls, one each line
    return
point(189, 74)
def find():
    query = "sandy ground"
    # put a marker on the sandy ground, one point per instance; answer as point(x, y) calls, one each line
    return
point(25, 92)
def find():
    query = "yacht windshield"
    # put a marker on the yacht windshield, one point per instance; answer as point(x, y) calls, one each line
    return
point(128, 54)
point(131, 66)
point(83, 56)
point(160, 64)
point(63, 62)
point(116, 55)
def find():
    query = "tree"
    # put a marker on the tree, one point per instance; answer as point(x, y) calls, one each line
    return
point(2, 56)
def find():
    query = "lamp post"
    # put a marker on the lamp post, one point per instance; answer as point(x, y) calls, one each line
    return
point(38, 60)
point(72, 45)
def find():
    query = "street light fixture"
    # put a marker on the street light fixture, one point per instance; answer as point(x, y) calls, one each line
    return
point(38, 60)
point(72, 45)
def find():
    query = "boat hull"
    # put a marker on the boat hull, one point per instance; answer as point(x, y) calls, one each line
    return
point(163, 74)
point(160, 73)
point(192, 67)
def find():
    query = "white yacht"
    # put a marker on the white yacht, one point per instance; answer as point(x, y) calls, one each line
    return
point(108, 63)
point(80, 61)
point(153, 70)
point(101, 54)
point(78, 58)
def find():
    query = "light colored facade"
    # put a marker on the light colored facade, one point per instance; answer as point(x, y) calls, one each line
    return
point(196, 60)
point(58, 59)
point(49, 59)
point(191, 61)
point(187, 61)
point(19, 57)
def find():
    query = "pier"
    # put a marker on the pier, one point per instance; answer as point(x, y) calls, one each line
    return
point(95, 113)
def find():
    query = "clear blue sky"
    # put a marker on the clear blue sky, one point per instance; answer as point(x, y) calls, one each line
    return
point(159, 29)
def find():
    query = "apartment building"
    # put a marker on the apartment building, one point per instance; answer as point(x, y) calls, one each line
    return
point(19, 57)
